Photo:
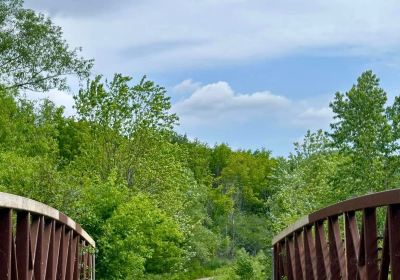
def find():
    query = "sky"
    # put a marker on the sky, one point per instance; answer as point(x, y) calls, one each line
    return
point(253, 74)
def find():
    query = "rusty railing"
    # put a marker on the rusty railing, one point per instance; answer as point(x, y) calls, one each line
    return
point(39, 242)
point(355, 239)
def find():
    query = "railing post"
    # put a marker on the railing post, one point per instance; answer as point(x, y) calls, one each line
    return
point(394, 240)
point(371, 244)
point(5, 243)
point(274, 270)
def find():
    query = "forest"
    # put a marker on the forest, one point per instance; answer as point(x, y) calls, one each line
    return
point(159, 205)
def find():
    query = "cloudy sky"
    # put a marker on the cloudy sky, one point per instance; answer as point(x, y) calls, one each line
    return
point(253, 73)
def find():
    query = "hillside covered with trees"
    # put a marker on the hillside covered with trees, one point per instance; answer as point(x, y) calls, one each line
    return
point(161, 206)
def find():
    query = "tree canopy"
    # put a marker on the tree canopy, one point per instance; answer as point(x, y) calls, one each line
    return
point(33, 54)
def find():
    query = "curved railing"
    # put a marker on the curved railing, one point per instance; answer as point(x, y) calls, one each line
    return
point(343, 241)
point(39, 242)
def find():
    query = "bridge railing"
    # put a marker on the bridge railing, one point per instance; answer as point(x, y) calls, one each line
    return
point(39, 242)
point(355, 239)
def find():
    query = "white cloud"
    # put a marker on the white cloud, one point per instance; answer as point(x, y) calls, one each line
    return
point(313, 113)
point(313, 117)
point(217, 104)
point(186, 86)
point(160, 35)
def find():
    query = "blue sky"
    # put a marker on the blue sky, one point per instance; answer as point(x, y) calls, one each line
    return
point(249, 73)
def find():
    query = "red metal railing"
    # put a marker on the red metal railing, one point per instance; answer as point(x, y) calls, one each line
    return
point(38, 242)
point(355, 239)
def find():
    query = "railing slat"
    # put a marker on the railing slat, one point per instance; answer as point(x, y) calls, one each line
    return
point(309, 254)
point(22, 244)
point(292, 257)
point(352, 243)
point(298, 253)
point(371, 244)
point(384, 267)
point(336, 250)
point(394, 240)
point(14, 263)
point(321, 249)
point(5, 243)
point(72, 257)
point(77, 272)
point(63, 256)
point(54, 251)
point(33, 240)
point(361, 255)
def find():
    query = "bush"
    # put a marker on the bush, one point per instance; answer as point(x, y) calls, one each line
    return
point(140, 237)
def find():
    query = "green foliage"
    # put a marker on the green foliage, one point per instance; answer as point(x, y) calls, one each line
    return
point(362, 130)
point(247, 268)
point(33, 177)
point(139, 237)
point(123, 108)
point(33, 54)
point(98, 199)
point(361, 126)
point(244, 268)
point(249, 174)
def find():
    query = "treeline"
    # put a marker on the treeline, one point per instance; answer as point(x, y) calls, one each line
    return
point(159, 205)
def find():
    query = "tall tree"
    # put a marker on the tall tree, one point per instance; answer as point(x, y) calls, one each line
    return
point(362, 131)
point(33, 53)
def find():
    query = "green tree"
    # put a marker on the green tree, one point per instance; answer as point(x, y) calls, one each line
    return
point(124, 108)
point(219, 158)
point(362, 130)
point(33, 54)
point(124, 121)
point(140, 237)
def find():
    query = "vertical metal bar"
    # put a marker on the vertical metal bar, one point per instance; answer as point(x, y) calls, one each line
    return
point(309, 252)
point(352, 243)
point(84, 260)
point(5, 243)
point(89, 265)
point(77, 259)
point(42, 249)
point(22, 245)
point(300, 242)
point(336, 250)
point(63, 255)
point(321, 249)
point(385, 259)
point(289, 262)
point(279, 262)
point(14, 266)
point(94, 267)
point(71, 257)
point(371, 245)
point(298, 254)
point(275, 262)
point(33, 239)
point(282, 272)
point(51, 273)
point(394, 240)
point(361, 255)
